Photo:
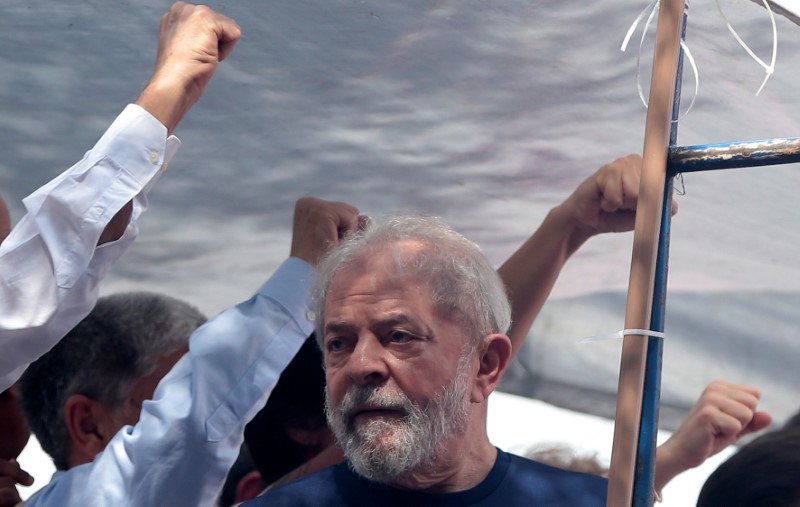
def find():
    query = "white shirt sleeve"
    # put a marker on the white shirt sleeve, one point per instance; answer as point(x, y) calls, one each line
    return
point(50, 264)
point(189, 435)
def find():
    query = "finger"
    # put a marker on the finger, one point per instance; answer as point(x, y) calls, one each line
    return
point(348, 221)
point(631, 177)
point(363, 222)
point(12, 470)
point(610, 187)
point(727, 426)
point(747, 395)
point(619, 183)
point(760, 421)
point(228, 34)
point(734, 407)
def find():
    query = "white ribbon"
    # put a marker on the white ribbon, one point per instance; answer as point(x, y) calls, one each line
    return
point(650, 12)
point(769, 69)
point(621, 334)
point(652, 8)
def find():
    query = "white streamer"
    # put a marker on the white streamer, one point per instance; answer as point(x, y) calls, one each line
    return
point(769, 69)
point(650, 12)
point(652, 8)
point(621, 334)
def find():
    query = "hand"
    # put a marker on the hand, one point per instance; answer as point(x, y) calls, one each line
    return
point(606, 201)
point(724, 413)
point(320, 225)
point(10, 475)
point(193, 39)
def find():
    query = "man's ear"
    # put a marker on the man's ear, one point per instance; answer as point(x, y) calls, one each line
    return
point(494, 359)
point(249, 487)
point(89, 424)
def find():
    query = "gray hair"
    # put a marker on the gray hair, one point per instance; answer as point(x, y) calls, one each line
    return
point(119, 342)
point(465, 288)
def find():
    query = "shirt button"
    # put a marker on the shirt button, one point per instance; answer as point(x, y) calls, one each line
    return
point(311, 315)
point(154, 157)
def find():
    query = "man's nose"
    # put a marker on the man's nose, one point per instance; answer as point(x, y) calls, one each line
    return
point(367, 364)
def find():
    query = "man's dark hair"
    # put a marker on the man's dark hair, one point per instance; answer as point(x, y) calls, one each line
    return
point(298, 401)
point(763, 473)
point(793, 422)
point(119, 342)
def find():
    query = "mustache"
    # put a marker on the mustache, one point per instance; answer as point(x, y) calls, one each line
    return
point(372, 397)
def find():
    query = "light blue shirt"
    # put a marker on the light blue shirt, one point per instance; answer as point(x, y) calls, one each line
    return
point(189, 435)
point(50, 264)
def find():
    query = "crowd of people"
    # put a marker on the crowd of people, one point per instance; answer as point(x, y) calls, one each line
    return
point(358, 374)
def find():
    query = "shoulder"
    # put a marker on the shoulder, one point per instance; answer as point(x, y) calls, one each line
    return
point(555, 486)
point(313, 490)
point(64, 489)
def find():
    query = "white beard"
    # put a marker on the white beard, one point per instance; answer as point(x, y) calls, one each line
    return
point(387, 449)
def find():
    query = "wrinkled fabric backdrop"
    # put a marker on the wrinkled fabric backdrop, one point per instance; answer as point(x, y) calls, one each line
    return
point(484, 112)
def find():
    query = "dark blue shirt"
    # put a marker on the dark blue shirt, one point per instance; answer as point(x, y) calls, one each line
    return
point(513, 481)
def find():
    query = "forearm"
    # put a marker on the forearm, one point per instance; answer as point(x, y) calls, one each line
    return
point(189, 434)
point(50, 264)
point(234, 362)
point(530, 273)
point(667, 467)
point(168, 103)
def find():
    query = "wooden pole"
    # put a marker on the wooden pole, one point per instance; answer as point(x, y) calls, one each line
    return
point(645, 249)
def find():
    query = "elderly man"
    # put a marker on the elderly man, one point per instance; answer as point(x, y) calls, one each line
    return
point(412, 325)
point(437, 259)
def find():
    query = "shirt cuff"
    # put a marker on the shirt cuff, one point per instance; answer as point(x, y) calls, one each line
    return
point(139, 140)
point(282, 288)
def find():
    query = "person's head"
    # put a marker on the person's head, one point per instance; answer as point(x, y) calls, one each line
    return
point(84, 390)
point(291, 428)
point(763, 473)
point(411, 317)
point(793, 421)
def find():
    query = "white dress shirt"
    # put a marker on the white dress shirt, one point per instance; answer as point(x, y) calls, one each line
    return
point(189, 435)
point(50, 264)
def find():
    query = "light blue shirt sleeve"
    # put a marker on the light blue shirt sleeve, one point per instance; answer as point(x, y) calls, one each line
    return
point(189, 435)
point(50, 264)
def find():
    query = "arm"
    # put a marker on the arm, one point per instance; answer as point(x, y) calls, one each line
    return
point(189, 434)
point(604, 202)
point(51, 264)
point(199, 410)
point(193, 39)
point(723, 414)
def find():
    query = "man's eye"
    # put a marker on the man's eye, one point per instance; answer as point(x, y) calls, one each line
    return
point(335, 344)
point(400, 336)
